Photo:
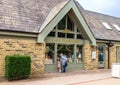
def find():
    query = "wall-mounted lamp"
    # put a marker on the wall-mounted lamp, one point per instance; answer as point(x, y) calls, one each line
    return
point(110, 44)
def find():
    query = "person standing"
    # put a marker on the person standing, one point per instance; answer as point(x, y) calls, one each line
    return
point(63, 61)
point(58, 64)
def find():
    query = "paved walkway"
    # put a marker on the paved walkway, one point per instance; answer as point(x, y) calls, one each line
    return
point(97, 77)
point(107, 81)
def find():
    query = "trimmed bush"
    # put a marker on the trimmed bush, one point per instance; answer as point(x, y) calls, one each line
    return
point(17, 67)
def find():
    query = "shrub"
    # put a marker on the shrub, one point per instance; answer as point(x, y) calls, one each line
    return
point(17, 67)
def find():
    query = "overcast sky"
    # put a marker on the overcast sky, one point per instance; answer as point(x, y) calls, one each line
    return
point(109, 7)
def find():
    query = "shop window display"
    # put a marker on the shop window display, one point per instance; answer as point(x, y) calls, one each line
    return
point(79, 57)
point(64, 30)
point(66, 50)
point(49, 55)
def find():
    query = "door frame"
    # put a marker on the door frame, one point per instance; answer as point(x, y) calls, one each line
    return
point(71, 66)
point(102, 64)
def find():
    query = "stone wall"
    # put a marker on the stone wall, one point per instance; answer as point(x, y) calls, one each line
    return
point(112, 55)
point(119, 54)
point(89, 63)
point(106, 59)
point(28, 46)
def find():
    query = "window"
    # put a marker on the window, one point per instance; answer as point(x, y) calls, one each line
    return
point(101, 53)
point(79, 56)
point(66, 29)
point(62, 24)
point(79, 36)
point(117, 27)
point(51, 34)
point(66, 23)
point(65, 49)
point(70, 35)
point(49, 55)
point(61, 35)
point(106, 25)
point(77, 30)
point(70, 24)
point(68, 50)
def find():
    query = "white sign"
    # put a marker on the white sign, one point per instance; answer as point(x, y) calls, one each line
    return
point(94, 55)
point(116, 70)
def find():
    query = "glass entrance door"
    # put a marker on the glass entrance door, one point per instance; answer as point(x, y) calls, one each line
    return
point(101, 56)
point(74, 55)
point(66, 50)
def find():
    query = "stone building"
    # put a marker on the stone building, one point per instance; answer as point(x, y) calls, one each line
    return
point(44, 29)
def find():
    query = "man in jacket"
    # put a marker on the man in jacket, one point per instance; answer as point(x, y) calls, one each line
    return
point(63, 61)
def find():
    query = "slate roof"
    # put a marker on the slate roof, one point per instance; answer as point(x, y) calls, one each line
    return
point(53, 13)
point(31, 15)
point(25, 15)
point(94, 21)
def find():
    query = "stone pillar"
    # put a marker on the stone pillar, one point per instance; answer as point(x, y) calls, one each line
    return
point(119, 54)
point(106, 58)
point(112, 55)
point(89, 63)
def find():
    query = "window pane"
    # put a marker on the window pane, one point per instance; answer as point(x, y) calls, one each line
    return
point(52, 34)
point(79, 36)
point(66, 50)
point(106, 25)
point(62, 35)
point(77, 30)
point(70, 24)
point(117, 27)
point(49, 55)
point(62, 24)
point(101, 53)
point(79, 56)
point(70, 35)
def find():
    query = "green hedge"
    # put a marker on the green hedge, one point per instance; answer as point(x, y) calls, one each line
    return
point(17, 67)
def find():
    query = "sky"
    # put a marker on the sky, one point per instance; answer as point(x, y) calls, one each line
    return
point(109, 7)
